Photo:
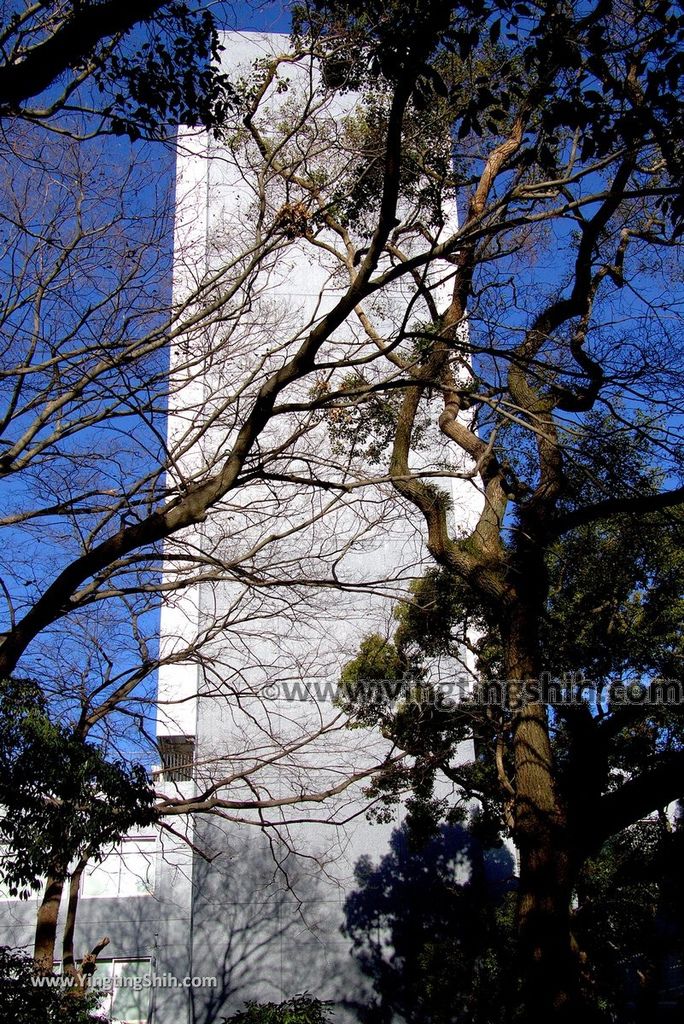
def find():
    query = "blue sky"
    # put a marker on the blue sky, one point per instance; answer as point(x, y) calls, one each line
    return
point(34, 557)
point(258, 15)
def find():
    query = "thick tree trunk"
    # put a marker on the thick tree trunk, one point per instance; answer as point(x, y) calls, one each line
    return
point(46, 923)
point(550, 967)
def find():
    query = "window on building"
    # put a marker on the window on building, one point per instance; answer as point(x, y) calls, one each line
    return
point(127, 870)
point(177, 758)
point(125, 994)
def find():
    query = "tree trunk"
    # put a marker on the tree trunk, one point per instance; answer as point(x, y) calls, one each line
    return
point(550, 967)
point(46, 923)
point(68, 961)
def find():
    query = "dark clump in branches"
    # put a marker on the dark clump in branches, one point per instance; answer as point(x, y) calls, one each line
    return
point(139, 67)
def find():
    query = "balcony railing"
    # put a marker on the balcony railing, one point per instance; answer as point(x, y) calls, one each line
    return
point(176, 767)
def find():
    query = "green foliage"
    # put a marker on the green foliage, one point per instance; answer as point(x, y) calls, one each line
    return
point(615, 611)
point(438, 616)
point(173, 77)
point(563, 58)
point(630, 913)
point(373, 682)
point(378, 659)
point(61, 798)
point(365, 426)
point(378, 40)
point(628, 619)
point(141, 69)
point(433, 925)
point(23, 1002)
point(426, 172)
point(386, 687)
point(300, 1009)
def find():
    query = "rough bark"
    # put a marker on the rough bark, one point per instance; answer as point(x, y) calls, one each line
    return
point(46, 923)
point(68, 961)
point(549, 960)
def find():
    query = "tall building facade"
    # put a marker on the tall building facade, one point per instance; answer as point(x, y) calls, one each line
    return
point(257, 707)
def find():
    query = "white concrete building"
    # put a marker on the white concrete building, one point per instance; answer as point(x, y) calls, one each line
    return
point(267, 673)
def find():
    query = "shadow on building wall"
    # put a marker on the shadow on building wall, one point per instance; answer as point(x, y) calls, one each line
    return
point(266, 924)
point(430, 927)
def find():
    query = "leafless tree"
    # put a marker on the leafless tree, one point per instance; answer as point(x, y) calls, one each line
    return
point(243, 499)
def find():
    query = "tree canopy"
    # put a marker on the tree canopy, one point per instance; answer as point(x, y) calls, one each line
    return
point(61, 798)
point(139, 67)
